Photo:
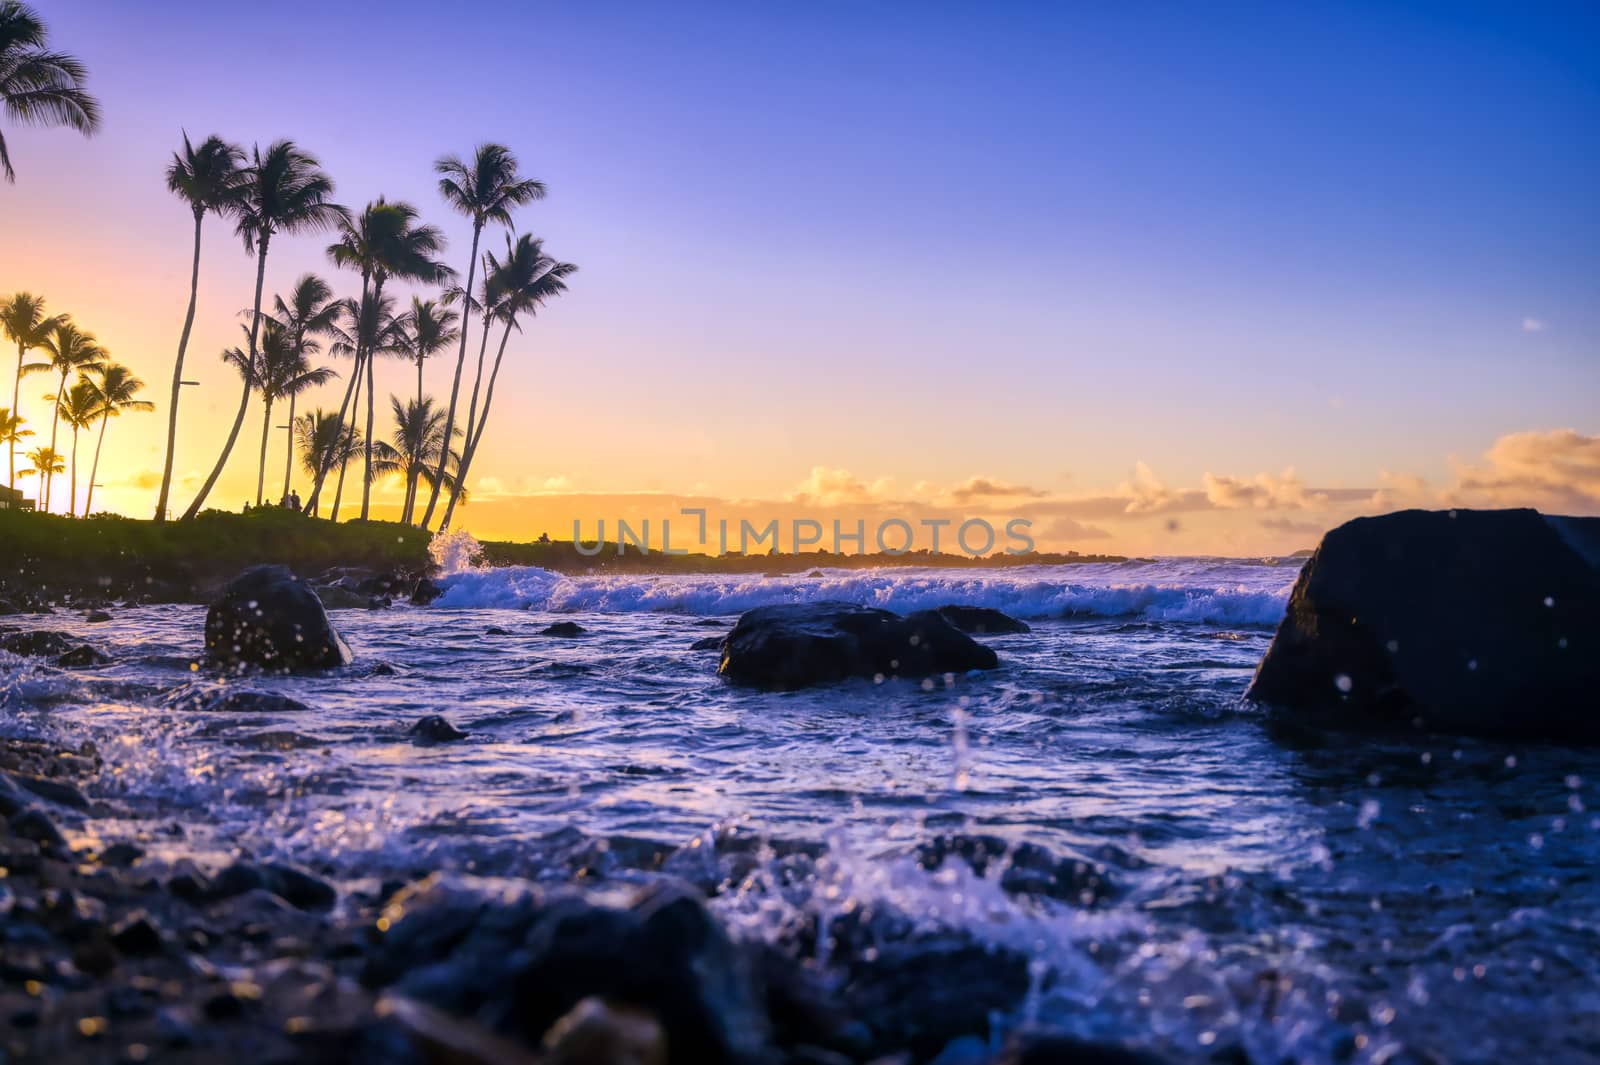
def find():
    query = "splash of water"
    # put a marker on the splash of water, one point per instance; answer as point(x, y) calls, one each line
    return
point(455, 552)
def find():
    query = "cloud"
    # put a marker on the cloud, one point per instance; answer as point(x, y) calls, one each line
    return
point(1532, 325)
point(1550, 469)
point(1145, 493)
point(1069, 530)
point(1400, 490)
point(1262, 492)
point(977, 488)
point(827, 485)
point(1298, 528)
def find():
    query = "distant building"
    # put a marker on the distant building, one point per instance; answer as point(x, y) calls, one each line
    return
point(12, 499)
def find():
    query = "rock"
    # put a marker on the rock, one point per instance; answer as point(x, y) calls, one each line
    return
point(1033, 1048)
point(792, 645)
point(59, 792)
point(37, 643)
point(434, 729)
point(379, 602)
point(1472, 622)
point(380, 585)
point(598, 1032)
point(121, 855)
point(982, 619)
point(564, 628)
point(339, 597)
point(271, 619)
point(33, 823)
point(9, 607)
point(424, 592)
point(95, 617)
point(1024, 868)
point(299, 889)
point(495, 630)
point(137, 936)
point(229, 700)
point(81, 656)
point(709, 643)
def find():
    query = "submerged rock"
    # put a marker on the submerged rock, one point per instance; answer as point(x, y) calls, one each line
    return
point(792, 645)
point(708, 643)
point(95, 617)
point(37, 643)
point(81, 656)
point(269, 618)
point(564, 628)
point(982, 619)
point(434, 729)
point(1474, 622)
point(228, 700)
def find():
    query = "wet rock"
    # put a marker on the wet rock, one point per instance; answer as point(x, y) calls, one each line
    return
point(59, 792)
point(8, 607)
point(296, 887)
point(137, 936)
point(598, 1032)
point(96, 617)
point(33, 823)
point(434, 729)
point(271, 619)
point(979, 620)
point(1023, 868)
point(495, 630)
point(1473, 622)
point(229, 700)
point(793, 645)
point(81, 656)
point(565, 629)
point(379, 602)
point(121, 855)
point(1049, 1049)
point(424, 592)
point(709, 643)
point(37, 643)
point(340, 597)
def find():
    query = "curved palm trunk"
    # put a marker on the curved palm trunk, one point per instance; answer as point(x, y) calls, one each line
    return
point(477, 380)
point(94, 467)
point(288, 459)
point(343, 451)
point(177, 377)
point(55, 421)
point(470, 449)
point(261, 465)
point(72, 500)
point(16, 392)
point(455, 387)
point(325, 463)
point(244, 397)
point(366, 465)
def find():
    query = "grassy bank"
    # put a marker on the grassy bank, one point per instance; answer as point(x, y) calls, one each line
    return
point(107, 557)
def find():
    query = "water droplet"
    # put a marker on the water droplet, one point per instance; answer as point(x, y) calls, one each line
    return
point(1344, 683)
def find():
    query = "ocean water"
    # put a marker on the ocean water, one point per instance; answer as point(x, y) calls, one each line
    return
point(1234, 882)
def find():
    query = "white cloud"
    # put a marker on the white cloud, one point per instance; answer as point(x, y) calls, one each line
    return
point(1557, 468)
point(1262, 492)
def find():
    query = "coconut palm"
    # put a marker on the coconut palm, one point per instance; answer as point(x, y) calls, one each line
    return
point(485, 190)
point(283, 190)
point(25, 324)
point(414, 451)
point(425, 330)
point(11, 434)
point(364, 327)
point(78, 408)
point(71, 351)
point(517, 288)
point(323, 443)
point(39, 87)
point(282, 373)
point(311, 312)
point(387, 243)
point(114, 390)
point(47, 462)
point(208, 179)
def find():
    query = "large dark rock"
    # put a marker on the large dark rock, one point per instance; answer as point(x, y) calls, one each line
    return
point(425, 592)
point(37, 642)
point(1474, 622)
point(271, 619)
point(792, 645)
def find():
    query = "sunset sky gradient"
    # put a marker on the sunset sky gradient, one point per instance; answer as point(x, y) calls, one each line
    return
point(1165, 278)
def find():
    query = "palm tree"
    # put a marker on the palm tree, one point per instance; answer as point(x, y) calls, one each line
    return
point(23, 319)
point(71, 351)
point(37, 86)
point(114, 390)
point(485, 190)
point(46, 463)
point(385, 242)
point(370, 327)
point(323, 444)
point(283, 190)
point(414, 452)
point(12, 434)
point(425, 330)
point(207, 179)
point(282, 373)
point(310, 312)
point(518, 288)
point(78, 408)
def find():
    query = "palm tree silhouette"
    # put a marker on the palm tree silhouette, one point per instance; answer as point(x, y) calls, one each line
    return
point(323, 444)
point(78, 408)
point(207, 178)
point(114, 390)
point(485, 190)
point(23, 319)
point(283, 190)
point(311, 312)
point(46, 463)
point(71, 351)
point(373, 328)
point(39, 87)
point(12, 434)
point(414, 450)
point(516, 289)
point(282, 373)
point(425, 330)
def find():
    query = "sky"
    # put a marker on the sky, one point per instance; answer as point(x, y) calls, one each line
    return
point(1158, 278)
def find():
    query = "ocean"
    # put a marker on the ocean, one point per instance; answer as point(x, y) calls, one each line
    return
point(1183, 870)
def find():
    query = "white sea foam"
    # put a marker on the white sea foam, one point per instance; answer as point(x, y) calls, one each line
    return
point(1221, 592)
